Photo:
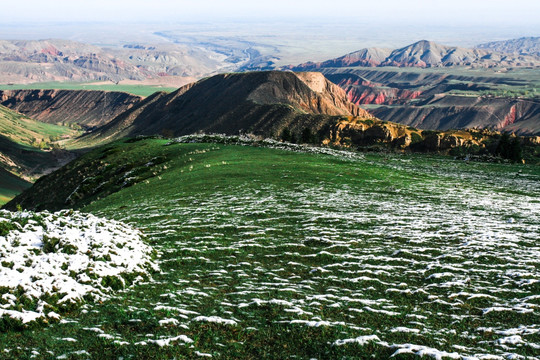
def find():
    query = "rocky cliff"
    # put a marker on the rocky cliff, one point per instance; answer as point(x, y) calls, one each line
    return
point(377, 134)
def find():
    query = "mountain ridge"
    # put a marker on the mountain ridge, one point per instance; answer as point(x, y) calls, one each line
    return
point(422, 54)
point(88, 108)
point(529, 45)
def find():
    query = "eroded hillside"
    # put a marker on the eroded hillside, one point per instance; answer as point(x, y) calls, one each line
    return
point(81, 107)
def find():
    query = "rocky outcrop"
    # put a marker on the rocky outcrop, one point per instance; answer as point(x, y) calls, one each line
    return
point(82, 107)
point(358, 132)
point(365, 132)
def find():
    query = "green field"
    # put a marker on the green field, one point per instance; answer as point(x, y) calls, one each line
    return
point(141, 90)
point(279, 254)
point(21, 142)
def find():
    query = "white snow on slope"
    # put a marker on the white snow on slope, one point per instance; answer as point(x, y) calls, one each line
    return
point(48, 261)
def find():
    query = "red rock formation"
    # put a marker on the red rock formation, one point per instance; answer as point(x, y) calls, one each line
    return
point(51, 50)
point(510, 118)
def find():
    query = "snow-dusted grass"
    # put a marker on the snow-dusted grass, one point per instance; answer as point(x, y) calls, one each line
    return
point(51, 262)
point(252, 140)
point(282, 255)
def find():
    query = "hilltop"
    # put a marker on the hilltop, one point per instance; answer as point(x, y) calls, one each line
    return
point(262, 103)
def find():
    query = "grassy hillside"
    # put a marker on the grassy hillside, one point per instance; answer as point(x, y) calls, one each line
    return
point(21, 155)
point(18, 162)
point(275, 254)
point(23, 130)
point(10, 186)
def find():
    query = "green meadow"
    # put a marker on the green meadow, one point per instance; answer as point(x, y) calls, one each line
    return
point(287, 253)
point(141, 90)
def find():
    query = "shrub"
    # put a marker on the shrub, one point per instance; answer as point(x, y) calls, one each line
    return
point(6, 227)
point(416, 138)
point(50, 244)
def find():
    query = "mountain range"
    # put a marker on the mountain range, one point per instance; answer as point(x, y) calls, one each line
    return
point(176, 64)
point(64, 60)
point(423, 54)
point(522, 46)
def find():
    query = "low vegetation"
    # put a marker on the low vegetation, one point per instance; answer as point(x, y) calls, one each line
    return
point(25, 131)
point(273, 253)
point(141, 90)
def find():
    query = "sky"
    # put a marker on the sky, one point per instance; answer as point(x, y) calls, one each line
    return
point(452, 12)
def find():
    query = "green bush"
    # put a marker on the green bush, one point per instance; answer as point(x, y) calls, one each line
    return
point(113, 282)
point(509, 148)
point(416, 138)
point(6, 227)
point(50, 244)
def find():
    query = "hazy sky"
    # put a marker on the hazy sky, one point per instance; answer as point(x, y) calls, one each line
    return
point(447, 12)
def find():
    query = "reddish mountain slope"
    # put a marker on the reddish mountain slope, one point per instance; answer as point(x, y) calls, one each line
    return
point(258, 102)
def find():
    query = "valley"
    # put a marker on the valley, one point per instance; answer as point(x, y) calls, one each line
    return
point(29, 149)
point(302, 107)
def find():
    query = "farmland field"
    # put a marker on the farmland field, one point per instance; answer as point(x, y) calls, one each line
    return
point(271, 253)
point(141, 90)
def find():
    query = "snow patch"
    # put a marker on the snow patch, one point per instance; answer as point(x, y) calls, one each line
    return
point(54, 260)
